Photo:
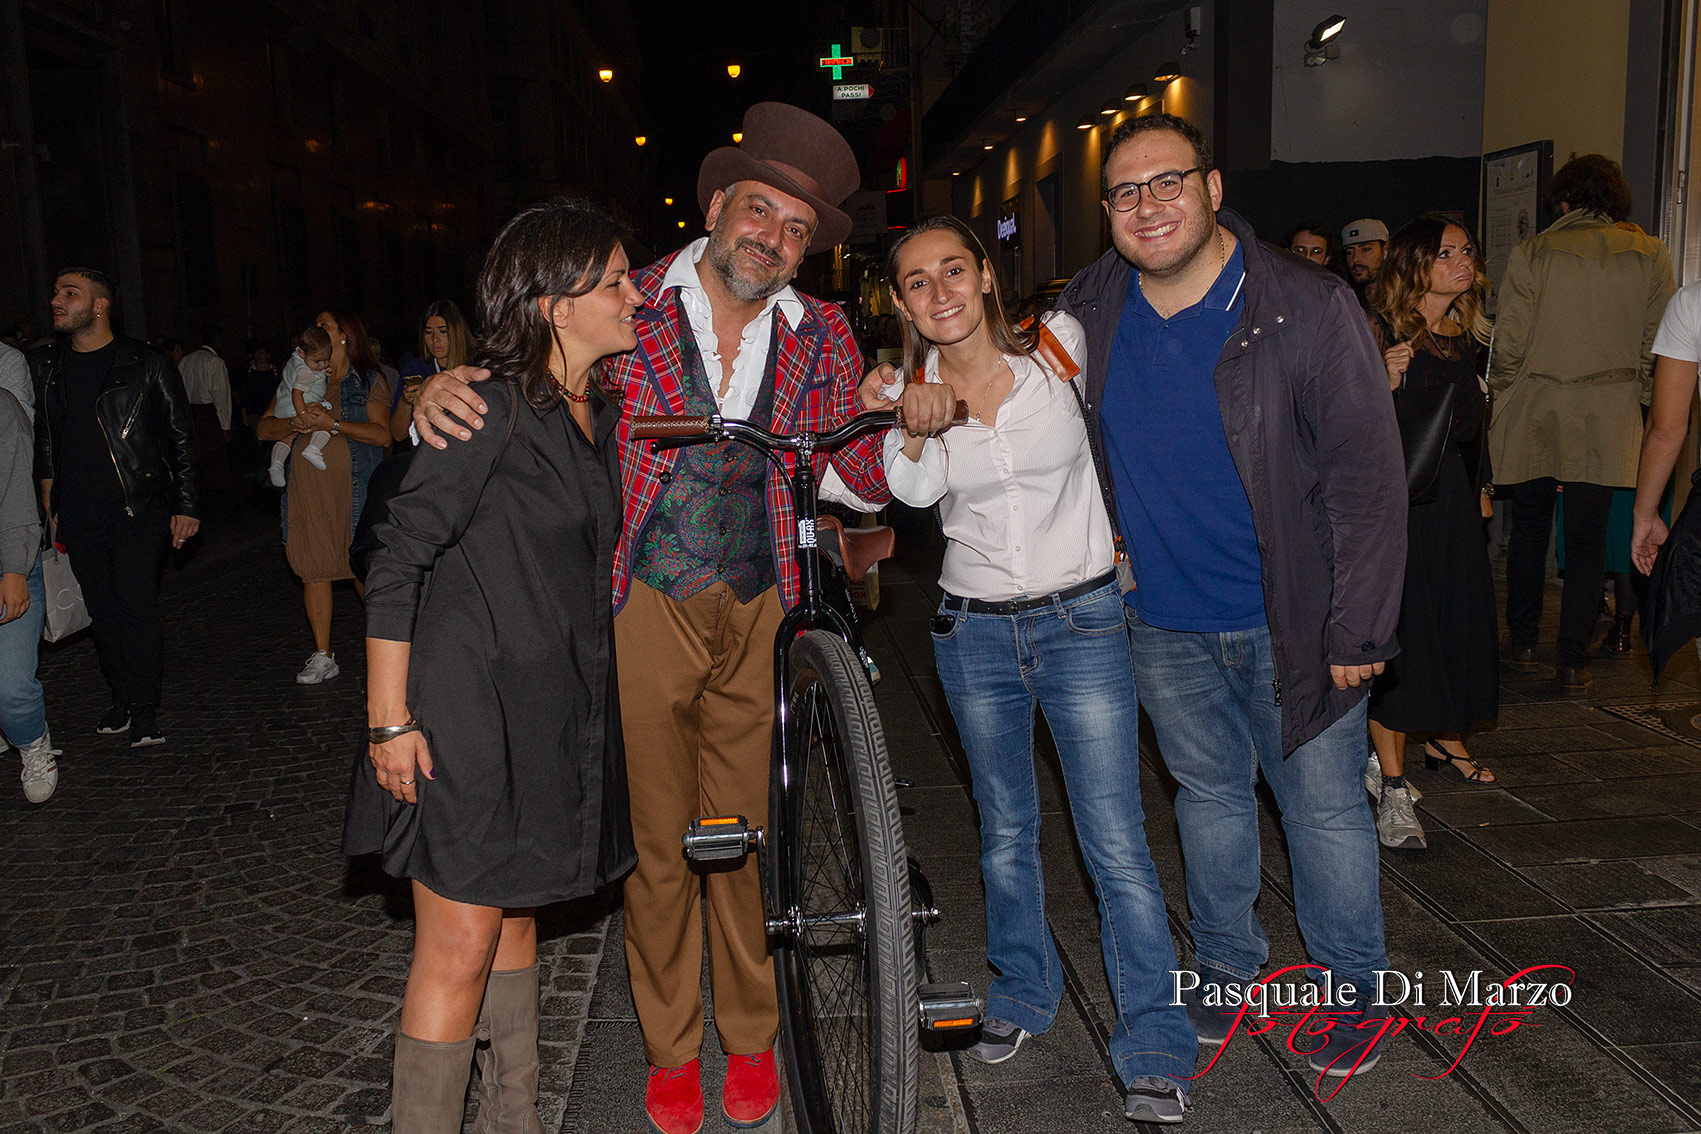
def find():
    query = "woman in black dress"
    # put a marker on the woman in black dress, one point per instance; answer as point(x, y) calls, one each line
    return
point(1428, 314)
point(495, 779)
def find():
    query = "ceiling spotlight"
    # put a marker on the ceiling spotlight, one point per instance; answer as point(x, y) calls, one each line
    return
point(606, 75)
point(1021, 117)
point(667, 201)
point(733, 70)
point(1321, 47)
point(737, 137)
point(1168, 73)
point(987, 147)
point(681, 224)
point(1136, 92)
point(1087, 122)
point(1111, 106)
point(640, 139)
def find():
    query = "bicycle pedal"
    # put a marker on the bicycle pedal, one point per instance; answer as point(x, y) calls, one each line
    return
point(949, 1006)
point(718, 838)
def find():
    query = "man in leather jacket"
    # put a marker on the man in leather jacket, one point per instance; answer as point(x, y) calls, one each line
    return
point(116, 461)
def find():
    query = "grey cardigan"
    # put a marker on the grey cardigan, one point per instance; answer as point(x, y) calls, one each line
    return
point(20, 524)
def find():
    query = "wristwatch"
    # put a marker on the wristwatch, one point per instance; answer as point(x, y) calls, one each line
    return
point(336, 429)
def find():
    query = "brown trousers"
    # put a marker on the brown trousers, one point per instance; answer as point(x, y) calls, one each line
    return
point(697, 707)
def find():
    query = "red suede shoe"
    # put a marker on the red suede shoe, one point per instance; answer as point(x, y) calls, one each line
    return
point(752, 1089)
point(673, 1098)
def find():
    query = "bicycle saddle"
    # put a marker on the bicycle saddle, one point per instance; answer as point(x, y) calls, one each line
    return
point(854, 549)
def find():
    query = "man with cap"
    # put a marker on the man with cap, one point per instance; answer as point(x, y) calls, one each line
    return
point(703, 576)
point(1364, 241)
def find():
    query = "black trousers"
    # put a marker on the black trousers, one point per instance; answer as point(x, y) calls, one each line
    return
point(1531, 511)
point(118, 566)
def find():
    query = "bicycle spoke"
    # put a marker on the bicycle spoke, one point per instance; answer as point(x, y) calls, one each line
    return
point(838, 963)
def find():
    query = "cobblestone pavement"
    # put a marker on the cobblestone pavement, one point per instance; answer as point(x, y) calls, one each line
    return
point(184, 948)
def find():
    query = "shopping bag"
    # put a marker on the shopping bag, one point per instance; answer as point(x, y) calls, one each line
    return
point(66, 611)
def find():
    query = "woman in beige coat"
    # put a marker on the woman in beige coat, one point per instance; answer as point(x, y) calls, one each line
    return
point(1579, 306)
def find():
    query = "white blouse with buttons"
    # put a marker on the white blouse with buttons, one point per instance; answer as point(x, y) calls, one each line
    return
point(1019, 500)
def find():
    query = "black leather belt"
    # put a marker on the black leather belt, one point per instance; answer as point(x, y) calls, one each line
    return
point(1022, 605)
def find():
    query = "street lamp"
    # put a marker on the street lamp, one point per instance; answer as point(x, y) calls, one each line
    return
point(733, 70)
point(606, 74)
point(1321, 48)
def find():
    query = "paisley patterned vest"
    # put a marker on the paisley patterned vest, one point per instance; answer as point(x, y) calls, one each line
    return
point(712, 523)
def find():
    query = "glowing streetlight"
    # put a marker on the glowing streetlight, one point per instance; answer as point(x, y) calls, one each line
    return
point(733, 70)
point(606, 74)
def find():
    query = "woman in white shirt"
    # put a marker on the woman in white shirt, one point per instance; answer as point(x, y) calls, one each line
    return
point(1032, 615)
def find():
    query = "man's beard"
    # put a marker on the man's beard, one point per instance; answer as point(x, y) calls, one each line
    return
point(722, 257)
point(75, 321)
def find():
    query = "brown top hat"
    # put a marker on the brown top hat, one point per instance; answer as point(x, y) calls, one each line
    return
point(795, 152)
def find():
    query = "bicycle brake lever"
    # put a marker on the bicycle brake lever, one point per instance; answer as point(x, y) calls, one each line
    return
point(663, 444)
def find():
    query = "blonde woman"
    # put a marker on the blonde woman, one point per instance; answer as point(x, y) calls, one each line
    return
point(1427, 306)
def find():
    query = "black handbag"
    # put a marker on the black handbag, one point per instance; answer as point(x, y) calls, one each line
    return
point(1425, 417)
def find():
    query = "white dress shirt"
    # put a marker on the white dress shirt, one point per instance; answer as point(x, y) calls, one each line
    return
point(752, 361)
point(206, 380)
point(1020, 502)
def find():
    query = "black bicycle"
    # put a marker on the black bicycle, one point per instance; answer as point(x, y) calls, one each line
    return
point(843, 922)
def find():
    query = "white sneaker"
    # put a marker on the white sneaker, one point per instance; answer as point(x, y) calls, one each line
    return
point(1397, 823)
point(1373, 780)
point(41, 771)
point(321, 666)
point(313, 456)
point(276, 474)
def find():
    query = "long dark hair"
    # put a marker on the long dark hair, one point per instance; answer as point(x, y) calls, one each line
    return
point(556, 248)
point(1404, 281)
point(460, 337)
point(356, 347)
point(1005, 336)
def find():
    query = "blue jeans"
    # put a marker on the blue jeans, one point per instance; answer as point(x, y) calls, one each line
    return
point(1211, 700)
point(1071, 658)
point(23, 712)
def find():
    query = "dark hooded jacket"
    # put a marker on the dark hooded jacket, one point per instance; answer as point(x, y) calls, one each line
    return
point(1310, 424)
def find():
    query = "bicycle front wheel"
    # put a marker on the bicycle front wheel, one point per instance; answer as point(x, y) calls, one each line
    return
point(844, 955)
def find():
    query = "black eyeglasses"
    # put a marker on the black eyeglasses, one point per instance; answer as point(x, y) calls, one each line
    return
point(1163, 187)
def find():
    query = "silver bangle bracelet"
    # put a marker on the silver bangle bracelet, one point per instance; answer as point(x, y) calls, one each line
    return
point(384, 733)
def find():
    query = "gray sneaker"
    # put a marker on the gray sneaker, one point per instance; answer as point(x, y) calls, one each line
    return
point(1373, 780)
point(1153, 1098)
point(41, 770)
point(1397, 823)
point(999, 1040)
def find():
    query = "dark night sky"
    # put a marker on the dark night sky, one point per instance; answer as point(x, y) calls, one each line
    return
point(689, 106)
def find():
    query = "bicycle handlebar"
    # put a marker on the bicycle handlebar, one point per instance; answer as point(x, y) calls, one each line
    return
point(675, 430)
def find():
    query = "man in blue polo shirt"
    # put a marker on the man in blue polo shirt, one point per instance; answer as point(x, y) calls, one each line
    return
point(1251, 443)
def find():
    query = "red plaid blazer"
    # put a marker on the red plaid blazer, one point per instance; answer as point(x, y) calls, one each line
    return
point(816, 372)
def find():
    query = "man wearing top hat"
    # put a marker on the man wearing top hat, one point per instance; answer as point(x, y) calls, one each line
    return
point(703, 574)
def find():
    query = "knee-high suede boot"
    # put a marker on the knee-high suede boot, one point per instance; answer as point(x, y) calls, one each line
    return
point(428, 1088)
point(507, 1092)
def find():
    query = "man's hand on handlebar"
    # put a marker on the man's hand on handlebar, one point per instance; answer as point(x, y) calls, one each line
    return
point(446, 394)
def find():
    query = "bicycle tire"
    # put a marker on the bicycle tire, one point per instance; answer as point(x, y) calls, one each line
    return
point(847, 992)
